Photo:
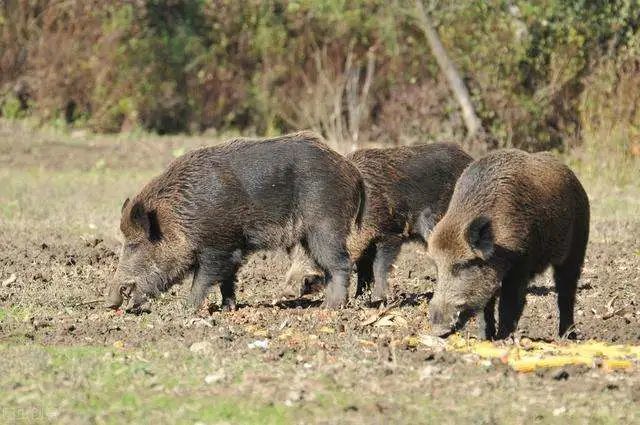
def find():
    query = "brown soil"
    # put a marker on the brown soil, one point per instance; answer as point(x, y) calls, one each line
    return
point(55, 274)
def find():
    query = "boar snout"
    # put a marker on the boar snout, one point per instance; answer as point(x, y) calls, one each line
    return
point(117, 295)
point(442, 324)
point(114, 301)
point(446, 318)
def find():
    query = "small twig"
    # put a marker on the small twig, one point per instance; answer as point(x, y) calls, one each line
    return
point(9, 336)
point(379, 314)
point(612, 313)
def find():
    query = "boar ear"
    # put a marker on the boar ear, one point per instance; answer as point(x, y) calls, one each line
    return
point(147, 220)
point(480, 236)
point(124, 205)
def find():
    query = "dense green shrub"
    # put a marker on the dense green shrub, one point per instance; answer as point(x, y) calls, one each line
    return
point(275, 65)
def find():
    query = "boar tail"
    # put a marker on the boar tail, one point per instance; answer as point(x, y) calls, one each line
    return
point(362, 204)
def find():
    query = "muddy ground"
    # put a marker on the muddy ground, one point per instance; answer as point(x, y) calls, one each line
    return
point(278, 359)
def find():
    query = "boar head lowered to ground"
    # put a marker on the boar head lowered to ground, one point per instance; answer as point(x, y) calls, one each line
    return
point(469, 274)
point(155, 254)
point(512, 214)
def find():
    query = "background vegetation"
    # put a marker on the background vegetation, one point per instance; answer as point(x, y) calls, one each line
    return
point(542, 74)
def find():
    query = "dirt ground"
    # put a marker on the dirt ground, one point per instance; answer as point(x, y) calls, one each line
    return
point(278, 359)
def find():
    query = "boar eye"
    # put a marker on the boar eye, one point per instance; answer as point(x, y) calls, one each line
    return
point(132, 246)
point(125, 290)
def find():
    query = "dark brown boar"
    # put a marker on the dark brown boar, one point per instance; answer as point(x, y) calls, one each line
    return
point(212, 206)
point(511, 215)
point(407, 191)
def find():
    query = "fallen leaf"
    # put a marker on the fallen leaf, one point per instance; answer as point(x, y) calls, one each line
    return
point(8, 281)
point(202, 347)
point(391, 320)
point(432, 341)
point(214, 378)
point(261, 343)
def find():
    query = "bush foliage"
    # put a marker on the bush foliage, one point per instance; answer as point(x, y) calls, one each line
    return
point(541, 73)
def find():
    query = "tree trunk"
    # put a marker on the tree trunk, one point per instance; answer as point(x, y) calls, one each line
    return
point(457, 86)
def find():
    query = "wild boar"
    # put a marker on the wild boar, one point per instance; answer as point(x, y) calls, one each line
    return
point(407, 191)
point(512, 214)
point(214, 205)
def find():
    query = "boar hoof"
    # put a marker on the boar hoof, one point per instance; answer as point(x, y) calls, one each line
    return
point(483, 335)
point(229, 305)
point(572, 335)
point(441, 331)
point(378, 299)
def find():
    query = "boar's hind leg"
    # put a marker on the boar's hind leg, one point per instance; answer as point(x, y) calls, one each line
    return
point(364, 268)
point(328, 248)
point(566, 275)
point(336, 293)
point(566, 278)
point(512, 299)
point(386, 252)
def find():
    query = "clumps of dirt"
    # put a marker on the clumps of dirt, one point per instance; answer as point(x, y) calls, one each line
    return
point(54, 273)
point(53, 287)
point(607, 305)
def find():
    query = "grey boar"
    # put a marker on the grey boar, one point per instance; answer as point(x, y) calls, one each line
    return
point(512, 214)
point(214, 205)
point(407, 191)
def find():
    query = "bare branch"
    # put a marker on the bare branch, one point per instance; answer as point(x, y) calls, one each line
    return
point(457, 86)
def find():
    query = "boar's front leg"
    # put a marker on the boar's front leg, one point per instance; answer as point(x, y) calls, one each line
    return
point(386, 252)
point(487, 321)
point(212, 268)
point(512, 299)
point(228, 292)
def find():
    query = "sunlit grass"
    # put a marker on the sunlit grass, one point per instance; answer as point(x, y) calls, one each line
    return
point(104, 385)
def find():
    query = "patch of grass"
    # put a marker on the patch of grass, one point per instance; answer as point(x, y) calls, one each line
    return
point(611, 181)
point(105, 385)
point(16, 313)
point(71, 200)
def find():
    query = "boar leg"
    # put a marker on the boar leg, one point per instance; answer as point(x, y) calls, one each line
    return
point(202, 281)
point(566, 276)
point(386, 252)
point(336, 294)
point(329, 250)
point(365, 269)
point(228, 292)
point(487, 321)
point(211, 269)
point(512, 300)
point(566, 279)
